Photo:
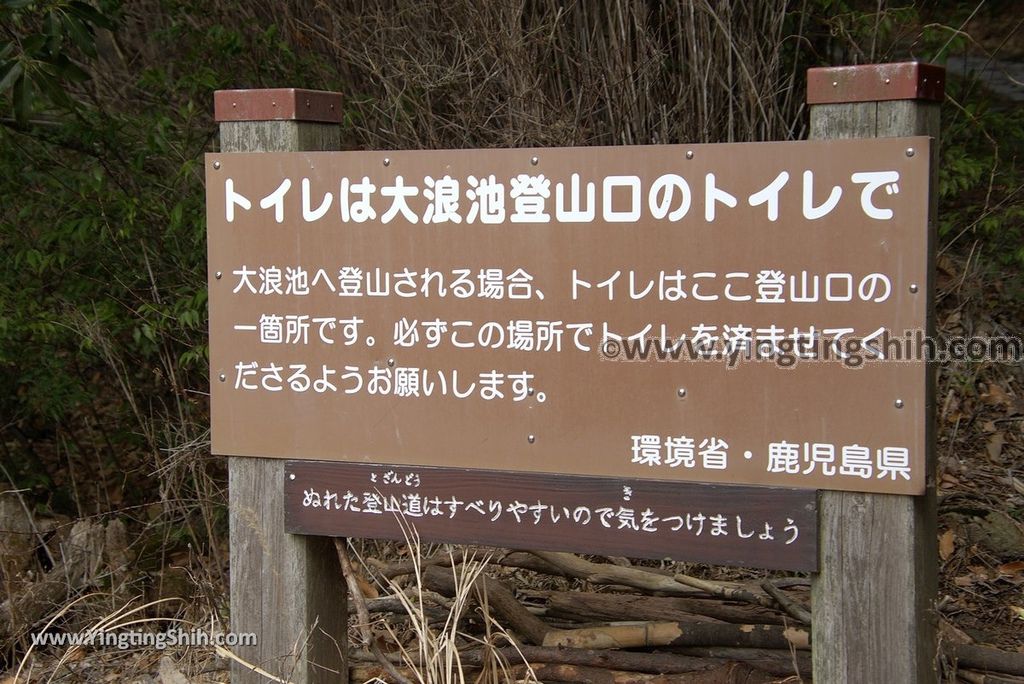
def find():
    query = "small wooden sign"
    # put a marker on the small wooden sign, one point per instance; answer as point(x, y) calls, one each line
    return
point(714, 313)
point(762, 527)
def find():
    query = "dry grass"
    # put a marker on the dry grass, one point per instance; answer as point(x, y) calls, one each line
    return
point(430, 648)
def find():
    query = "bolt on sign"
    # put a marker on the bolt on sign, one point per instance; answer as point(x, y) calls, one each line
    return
point(738, 313)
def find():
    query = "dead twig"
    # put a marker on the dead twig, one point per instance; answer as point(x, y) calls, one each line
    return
point(794, 609)
point(724, 590)
point(584, 606)
point(598, 573)
point(364, 614)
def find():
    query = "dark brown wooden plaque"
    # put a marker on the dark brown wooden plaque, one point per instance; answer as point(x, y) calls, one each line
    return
point(764, 527)
point(459, 308)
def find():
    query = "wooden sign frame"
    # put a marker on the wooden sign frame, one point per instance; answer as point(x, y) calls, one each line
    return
point(874, 595)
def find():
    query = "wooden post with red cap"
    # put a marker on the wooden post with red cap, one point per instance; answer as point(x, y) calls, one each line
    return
point(286, 589)
point(874, 616)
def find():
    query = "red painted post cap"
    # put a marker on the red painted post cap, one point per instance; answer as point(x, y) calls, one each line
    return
point(876, 82)
point(277, 104)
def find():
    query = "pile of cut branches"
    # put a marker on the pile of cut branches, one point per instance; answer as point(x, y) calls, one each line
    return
point(580, 620)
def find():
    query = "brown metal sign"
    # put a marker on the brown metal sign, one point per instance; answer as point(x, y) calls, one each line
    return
point(764, 527)
point(716, 313)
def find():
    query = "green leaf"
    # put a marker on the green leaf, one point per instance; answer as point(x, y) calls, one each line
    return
point(17, 4)
point(47, 82)
point(68, 69)
point(81, 34)
point(22, 100)
point(34, 43)
point(176, 214)
point(12, 75)
point(90, 14)
point(53, 26)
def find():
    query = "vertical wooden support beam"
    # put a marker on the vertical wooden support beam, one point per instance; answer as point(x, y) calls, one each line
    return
point(287, 589)
point(874, 614)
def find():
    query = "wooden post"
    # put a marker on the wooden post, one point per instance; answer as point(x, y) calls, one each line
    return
point(874, 597)
point(287, 589)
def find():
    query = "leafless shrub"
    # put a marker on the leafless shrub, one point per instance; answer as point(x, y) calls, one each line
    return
point(546, 73)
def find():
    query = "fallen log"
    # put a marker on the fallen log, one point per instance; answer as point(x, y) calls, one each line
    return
point(793, 609)
point(679, 660)
point(986, 659)
point(594, 607)
point(775, 661)
point(603, 573)
point(975, 677)
point(778, 662)
point(652, 663)
point(527, 561)
point(648, 634)
point(392, 604)
point(724, 590)
point(399, 568)
point(727, 673)
point(510, 613)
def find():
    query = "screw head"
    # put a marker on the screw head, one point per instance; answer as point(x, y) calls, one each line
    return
point(913, 288)
point(534, 160)
point(387, 161)
point(531, 439)
point(681, 392)
point(689, 154)
point(910, 151)
point(391, 362)
point(531, 391)
point(291, 476)
point(216, 164)
point(888, 81)
point(222, 377)
point(218, 275)
point(835, 84)
point(898, 403)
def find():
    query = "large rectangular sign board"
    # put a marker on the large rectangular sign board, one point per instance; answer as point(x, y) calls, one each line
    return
point(708, 313)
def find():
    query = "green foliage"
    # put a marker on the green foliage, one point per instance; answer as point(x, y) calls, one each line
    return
point(981, 179)
point(38, 57)
point(99, 249)
point(981, 183)
point(103, 303)
point(871, 32)
point(102, 282)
